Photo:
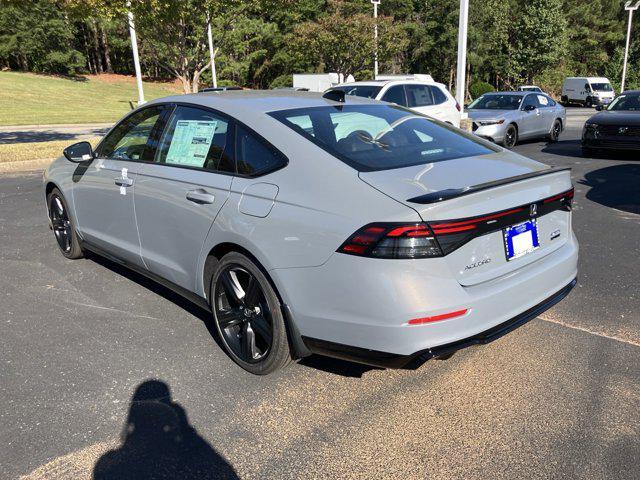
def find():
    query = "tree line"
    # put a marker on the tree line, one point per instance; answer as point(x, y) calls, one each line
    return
point(261, 43)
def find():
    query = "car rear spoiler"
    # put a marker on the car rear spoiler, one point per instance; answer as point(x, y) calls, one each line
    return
point(448, 194)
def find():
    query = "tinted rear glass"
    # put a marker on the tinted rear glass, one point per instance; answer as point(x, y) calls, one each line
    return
point(380, 137)
point(496, 102)
point(367, 91)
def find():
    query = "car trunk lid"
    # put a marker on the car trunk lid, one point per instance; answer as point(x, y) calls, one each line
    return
point(469, 202)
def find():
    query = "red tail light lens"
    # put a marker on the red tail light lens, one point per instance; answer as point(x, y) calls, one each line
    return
point(392, 240)
point(458, 107)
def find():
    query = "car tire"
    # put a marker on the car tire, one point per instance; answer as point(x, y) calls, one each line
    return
point(248, 316)
point(588, 103)
point(556, 130)
point(510, 137)
point(63, 226)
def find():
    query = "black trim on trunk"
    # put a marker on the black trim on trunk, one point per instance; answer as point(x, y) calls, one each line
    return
point(415, 360)
point(442, 195)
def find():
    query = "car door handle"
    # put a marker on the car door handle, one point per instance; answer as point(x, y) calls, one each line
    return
point(124, 182)
point(200, 196)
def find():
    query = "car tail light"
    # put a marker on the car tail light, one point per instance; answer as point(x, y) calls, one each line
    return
point(458, 107)
point(392, 240)
point(438, 318)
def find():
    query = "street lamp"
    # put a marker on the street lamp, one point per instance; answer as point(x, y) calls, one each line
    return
point(134, 49)
point(375, 36)
point(212, 53)
point(462, 51)
point(630, 8)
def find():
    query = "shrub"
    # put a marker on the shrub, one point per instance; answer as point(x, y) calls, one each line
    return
point(479, 88)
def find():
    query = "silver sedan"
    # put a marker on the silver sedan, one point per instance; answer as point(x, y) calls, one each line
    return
point(507, 117)
point(327, 224)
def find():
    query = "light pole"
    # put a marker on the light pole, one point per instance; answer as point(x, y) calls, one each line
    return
point(375, 37)
point(134, 48)
point(462, 51)
point(212, 53)
point(631, 8)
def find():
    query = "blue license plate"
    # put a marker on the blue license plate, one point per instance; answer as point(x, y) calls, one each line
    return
point(521, 239)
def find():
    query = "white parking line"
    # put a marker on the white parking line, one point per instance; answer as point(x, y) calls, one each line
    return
point(592, 332)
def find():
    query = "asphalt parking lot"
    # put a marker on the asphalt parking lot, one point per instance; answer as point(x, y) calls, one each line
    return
point(88, 348)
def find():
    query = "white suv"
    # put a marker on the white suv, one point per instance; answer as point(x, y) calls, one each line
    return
point(431, 98)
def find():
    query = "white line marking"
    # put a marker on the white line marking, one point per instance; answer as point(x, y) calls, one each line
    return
point(592, 332)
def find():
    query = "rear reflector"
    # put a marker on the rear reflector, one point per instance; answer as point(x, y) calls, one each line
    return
point(437, 318)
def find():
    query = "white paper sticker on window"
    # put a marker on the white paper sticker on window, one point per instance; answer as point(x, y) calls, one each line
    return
point(191, 142)
point(543, 100)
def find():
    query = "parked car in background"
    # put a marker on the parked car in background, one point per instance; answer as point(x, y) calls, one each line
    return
point(587, 91)
point(348, 227)
point(507, 117)
point(616, 127)
point(529, 88)
point(430, 98)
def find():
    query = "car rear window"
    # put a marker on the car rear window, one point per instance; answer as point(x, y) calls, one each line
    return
point(367, 91)
point(380, 137)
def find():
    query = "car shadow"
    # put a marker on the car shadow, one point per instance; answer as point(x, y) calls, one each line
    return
point(565, 148)
point(617, 186)
point(158, 442)
point(159, 289)
point(336, 366)
point(36, 136)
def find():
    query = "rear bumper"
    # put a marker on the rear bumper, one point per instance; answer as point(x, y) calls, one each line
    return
point(390, 360)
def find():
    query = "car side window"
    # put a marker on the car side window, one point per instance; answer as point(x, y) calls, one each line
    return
point(418, 96)
point(543, 101)
point(128, 139)
point(529, 100)
point(196, 138)
point(395, 95)
point(438, 95)
point(254, 156)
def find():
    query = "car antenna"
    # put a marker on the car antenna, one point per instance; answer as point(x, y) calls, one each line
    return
point(335, 95)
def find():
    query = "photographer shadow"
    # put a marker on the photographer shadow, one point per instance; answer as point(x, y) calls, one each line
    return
point(159, 443)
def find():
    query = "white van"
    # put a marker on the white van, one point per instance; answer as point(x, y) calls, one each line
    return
point(587, 91)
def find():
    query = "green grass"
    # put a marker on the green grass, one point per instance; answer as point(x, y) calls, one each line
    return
point(29, 99)
point(20, 152)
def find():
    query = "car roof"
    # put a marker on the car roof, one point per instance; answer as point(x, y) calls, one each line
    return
point(245, 103)
point(631, 92)
point(521, 94)
point(381, 83)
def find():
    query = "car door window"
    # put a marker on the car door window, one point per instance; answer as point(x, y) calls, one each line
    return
point(395, 95)
point(438, 95)
point(543, 101)
point(530, 100)
point(254, 156)
point(196, 138)
point(128, 139)
point(418, 96)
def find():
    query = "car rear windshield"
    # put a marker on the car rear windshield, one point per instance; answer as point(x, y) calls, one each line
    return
point(380, 137)
point(626, 102)
point(367, 91)
point(496, 102)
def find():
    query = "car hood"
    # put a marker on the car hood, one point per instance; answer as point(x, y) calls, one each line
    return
point(489, 114)
point(616, 118)
point(405, 183)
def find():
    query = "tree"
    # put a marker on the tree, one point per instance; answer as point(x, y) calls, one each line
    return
point(540, 37)
point(36, 36)
point(344, 43)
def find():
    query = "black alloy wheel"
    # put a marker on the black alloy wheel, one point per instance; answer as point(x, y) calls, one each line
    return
point(248, 316)
point(556, 130)
point(62, 226)
point(511, 136)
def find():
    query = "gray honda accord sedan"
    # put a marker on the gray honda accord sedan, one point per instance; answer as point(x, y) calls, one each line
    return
point(326, 224)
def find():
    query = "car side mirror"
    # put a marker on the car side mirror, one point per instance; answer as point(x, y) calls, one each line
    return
point(529, 108)
point(599, 108)
point(79, 152)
